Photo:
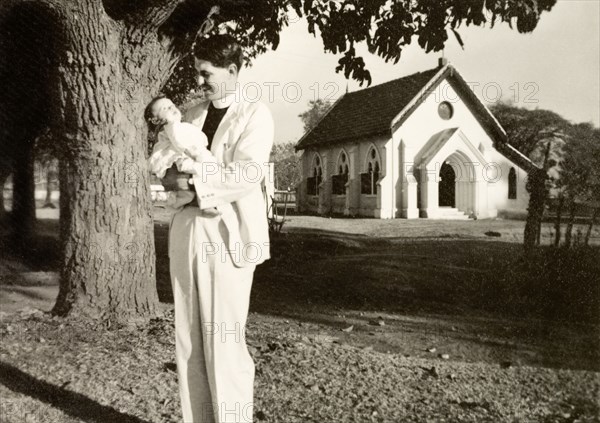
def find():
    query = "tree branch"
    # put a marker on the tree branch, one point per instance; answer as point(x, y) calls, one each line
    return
point(190, 23)
point(153, 15)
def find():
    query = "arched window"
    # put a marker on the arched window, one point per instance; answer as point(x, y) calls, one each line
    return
point(368, 180)
point(316, 175)
point(512, 184)
point(339, 180)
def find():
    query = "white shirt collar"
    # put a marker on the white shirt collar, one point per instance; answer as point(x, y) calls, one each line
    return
point(225, 101)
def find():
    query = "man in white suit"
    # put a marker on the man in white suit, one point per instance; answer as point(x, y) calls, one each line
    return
point(212, 263)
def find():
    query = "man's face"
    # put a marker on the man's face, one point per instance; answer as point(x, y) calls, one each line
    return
point(165, 110)
point(215, 82)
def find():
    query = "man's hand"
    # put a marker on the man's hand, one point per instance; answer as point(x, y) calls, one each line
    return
point(175, 180)
point(185, 165)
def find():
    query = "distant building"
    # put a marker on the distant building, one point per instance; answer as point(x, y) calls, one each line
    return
point(419, 146)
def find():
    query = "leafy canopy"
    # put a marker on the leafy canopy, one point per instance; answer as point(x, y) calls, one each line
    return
point(385, 26)
point(580, 167)
point(316, 110)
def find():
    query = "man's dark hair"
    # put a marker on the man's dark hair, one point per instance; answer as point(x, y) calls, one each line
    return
point(221, 50)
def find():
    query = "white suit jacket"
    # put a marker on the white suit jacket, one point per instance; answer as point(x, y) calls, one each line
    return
point(241, 147)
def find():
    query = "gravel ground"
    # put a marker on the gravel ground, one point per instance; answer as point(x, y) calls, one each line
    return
point(61, 370)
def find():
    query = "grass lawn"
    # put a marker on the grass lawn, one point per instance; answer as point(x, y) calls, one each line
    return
point(352, 320)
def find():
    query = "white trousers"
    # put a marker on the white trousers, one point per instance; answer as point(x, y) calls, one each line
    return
point(211, 295)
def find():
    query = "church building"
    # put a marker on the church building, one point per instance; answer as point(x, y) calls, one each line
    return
point(422, 146)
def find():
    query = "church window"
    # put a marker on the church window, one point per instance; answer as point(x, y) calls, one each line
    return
point(368, 179)
point(512, 184)
point(313, 181)
point(445, 110)
point(339, 181)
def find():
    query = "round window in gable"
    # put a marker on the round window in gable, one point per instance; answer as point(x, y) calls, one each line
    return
point(445, 110)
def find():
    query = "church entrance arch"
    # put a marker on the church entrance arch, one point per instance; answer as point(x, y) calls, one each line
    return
point(449, 176)
point(447, 186)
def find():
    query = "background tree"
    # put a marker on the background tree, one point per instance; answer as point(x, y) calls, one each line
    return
point(529, 131)
point(45, 156)
point(580, 174)
point(112, 57)
point(287, 165)
point(5, 171)
point(316, 110)
point(541, 136)
point(26, 60)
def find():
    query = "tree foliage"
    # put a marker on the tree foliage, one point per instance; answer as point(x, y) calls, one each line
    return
point(385, 26)
point(287, 165)
point(316, 110)
point(530, 130)
point(87, 68)
point(569, 159)
point(580, 167)
point(388, 26)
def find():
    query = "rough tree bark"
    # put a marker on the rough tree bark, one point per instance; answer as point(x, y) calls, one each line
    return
point(109, 72)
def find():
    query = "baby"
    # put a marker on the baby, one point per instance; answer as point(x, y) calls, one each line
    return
point(176, 141)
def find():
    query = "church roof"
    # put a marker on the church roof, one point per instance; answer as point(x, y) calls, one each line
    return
point(380, 109)
point(367, 112)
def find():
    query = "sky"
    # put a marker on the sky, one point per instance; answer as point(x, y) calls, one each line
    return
point(556, 67)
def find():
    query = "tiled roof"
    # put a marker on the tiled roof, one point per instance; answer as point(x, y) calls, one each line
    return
point(367, 112)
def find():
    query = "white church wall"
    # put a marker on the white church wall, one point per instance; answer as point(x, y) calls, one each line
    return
point(424, 122)
point(396, 197)
point(499, 188)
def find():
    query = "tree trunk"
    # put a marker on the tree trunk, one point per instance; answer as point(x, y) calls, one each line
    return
point(538, 192)
point(557, 231)
point(49, 173)
point(537, 198)
point(538, 238)
point(569, 230)
point(593, 218)
point(106, 228)
point(23, 202)
point(4, 174)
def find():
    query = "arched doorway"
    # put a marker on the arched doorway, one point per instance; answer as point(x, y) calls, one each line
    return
point(447, 186)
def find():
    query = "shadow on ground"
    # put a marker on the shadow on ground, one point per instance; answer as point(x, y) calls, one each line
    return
point(71, 403)
point(475, 297)
point(323, 270)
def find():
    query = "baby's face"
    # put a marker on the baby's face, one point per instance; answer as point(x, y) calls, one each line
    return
point(165, 110)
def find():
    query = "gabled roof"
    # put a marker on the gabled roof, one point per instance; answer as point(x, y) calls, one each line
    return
point(367, 112)
point(380, 109)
